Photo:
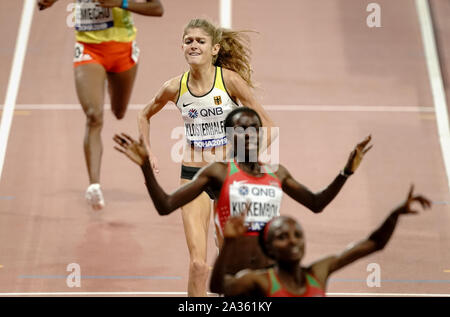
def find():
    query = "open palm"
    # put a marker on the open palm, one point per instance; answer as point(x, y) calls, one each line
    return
point(133, 149)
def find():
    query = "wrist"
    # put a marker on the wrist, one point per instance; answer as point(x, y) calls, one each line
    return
point(146, 163)
point(344, 172)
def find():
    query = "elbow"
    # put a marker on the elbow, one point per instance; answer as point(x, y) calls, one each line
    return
point(317, 209)
point(163, 210)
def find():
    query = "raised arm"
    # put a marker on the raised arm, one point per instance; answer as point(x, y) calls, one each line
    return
point(316, 202)
point(376, 241)
point(245, 282)
point(167, 203)
point(239, 89)
point(148, 7)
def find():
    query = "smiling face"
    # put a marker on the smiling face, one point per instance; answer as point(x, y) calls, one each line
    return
point(285, 240)
point(198, 48)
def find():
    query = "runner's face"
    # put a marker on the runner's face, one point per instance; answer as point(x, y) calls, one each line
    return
point(198, 48)
point(246, 135)
point(287, 240)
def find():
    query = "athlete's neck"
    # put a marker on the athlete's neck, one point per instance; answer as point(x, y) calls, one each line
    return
point(201, 77)
point(291, 271)
point(250, 167)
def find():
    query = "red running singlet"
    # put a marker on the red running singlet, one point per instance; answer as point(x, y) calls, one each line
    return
point(313, 288)
point(263, 192)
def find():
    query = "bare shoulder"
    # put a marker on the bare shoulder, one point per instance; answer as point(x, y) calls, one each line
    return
point(214, 170)
point(258, 277)
point(320, 269)
point(172, 86)
point(279, 170)
point(231, 78)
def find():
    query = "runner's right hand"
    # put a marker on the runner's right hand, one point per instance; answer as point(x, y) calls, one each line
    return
point(133, 149)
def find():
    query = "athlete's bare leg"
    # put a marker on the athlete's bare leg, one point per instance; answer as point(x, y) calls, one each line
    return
point(120, 86)
point(196, 222)
point(90, 86)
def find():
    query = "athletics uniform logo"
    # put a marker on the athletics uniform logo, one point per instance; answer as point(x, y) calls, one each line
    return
point(193, 113)
point(243, 190)
point(217, 100)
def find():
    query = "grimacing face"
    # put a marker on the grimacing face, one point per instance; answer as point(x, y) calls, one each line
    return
point(286, 241)
point(197, 47)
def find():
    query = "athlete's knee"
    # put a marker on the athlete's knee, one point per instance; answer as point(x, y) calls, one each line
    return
point(94, 118)
point(199, 267)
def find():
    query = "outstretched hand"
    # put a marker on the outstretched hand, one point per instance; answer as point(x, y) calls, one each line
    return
point(134, 150)
point(405, 208)
point(235, 226)
point(357, 155)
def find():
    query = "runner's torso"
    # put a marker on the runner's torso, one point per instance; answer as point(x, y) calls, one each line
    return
point(204, 116)
point(264, 194)
point(95, 24)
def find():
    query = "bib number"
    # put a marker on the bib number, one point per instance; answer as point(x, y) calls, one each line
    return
point(90, 16)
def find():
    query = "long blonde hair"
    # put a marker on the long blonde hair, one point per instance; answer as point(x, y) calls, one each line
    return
point(234, 53)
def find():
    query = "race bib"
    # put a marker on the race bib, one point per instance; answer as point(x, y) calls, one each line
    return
point(264, 201)
point(90, 16)
point(205, 127)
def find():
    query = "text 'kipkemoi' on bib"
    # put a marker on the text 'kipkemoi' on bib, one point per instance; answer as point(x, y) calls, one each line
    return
point(264, 202)
point(90, 16)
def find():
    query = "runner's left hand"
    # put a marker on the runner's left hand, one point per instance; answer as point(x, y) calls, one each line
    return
point(357, 155)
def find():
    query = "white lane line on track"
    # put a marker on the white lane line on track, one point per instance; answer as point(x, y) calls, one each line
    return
point(311, 108)
point(225, 13)
point(14, 77)
point(435, 77)
point(185, 294)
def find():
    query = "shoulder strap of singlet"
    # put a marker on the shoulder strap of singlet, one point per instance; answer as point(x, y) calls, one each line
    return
point(275, 285)
point(312, 281)
point(183, 85)
point(219, 79)
point(269, 171)
point(232, 167)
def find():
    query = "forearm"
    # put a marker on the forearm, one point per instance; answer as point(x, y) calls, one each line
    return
point(324, 197)
point(217, 282)
point(149, 8)
point(155, 191)
point(144, 129)
point(382, 235)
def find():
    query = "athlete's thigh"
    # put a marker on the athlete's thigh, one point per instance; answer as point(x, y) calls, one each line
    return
point(90, 85)
point(121, 87)
point(196, 216)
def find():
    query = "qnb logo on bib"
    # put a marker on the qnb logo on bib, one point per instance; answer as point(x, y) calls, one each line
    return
point(264, 202)
point(90, 16)
point(211, 112)
point(193, 114)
